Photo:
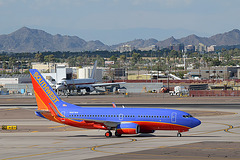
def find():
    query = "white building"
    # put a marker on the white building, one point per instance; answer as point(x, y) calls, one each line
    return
point(86, 72)
point(61, 73)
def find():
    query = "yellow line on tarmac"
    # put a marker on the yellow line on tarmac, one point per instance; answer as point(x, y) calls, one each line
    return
point(58, 126)
point(94, 148)
point(226, 130)
point(139, 154)
point(33, 155)
point(11, 109)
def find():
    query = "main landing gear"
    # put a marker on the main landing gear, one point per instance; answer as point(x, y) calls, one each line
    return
point(108, 134)
point(179, 134)
point(117, 134)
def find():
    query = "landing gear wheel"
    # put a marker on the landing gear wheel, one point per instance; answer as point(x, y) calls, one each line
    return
point(117, 134)
point(108, 134)
point(179, 135)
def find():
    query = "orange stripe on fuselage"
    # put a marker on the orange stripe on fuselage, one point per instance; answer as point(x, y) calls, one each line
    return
point(70, 122)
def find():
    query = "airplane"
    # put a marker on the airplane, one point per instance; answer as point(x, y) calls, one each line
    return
point(89, 84)
point(122, 120)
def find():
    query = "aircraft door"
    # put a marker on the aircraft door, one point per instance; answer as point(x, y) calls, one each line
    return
point(120, 117)
point(63, 119)
point(174, 117)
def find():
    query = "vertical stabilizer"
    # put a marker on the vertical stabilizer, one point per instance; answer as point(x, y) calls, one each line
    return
point(94, 70)
point(46, 98)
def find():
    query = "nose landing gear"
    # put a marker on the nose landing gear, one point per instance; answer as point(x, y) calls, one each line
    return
point(179, 134)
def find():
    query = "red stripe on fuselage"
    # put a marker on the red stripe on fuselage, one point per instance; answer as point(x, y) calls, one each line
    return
point(145, 125)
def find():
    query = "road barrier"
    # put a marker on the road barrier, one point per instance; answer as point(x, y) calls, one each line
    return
point(7, 127)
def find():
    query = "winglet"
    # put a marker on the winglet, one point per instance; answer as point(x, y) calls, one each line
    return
point(114, 105)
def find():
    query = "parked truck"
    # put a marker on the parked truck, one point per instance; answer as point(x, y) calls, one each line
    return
point(178, 90)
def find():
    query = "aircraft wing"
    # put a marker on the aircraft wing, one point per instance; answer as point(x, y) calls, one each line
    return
point(106, 123)
point(106, 84)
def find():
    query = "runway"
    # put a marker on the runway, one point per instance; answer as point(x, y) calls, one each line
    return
point(218, 137)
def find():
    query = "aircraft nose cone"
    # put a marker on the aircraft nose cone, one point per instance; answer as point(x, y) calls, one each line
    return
point(196, 122)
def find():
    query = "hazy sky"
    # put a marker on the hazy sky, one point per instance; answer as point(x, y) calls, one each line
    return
point(114, 21)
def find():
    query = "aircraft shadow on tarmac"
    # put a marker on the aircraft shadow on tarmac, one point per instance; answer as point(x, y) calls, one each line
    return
point(132, 136)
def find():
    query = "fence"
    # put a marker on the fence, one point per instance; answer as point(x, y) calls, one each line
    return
point(201, 93)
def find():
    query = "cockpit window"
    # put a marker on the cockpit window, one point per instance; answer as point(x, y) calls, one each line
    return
point(187, 116)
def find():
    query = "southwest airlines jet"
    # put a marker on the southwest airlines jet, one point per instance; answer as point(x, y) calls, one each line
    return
point(122, 120)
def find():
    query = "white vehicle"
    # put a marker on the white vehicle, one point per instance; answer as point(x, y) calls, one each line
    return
point(178, 90)
point(122, 90)
point(88, 84)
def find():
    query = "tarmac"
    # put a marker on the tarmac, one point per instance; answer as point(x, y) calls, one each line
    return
point(218, 137)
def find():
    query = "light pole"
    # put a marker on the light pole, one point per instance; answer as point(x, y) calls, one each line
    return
point(167, 72)
point(151, 67)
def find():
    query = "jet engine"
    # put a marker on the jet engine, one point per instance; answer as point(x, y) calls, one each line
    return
point(89, 89)
point(128, 128)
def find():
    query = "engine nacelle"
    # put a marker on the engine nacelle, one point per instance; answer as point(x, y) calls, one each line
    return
point(89, 89)
point(128, 128)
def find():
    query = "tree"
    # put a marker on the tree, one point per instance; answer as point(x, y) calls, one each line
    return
point(216, 62)
point(12, 62)
point(113, 58)
point(100, 61)
point(136, 57)
point(49, 58)
point(123, 58)
point(39, 57)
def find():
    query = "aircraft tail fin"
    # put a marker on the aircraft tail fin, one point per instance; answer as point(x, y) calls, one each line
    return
point(46, 98)
point(94, 70)
point(114, 105)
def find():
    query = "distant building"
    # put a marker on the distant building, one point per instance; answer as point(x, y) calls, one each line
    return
point(211, 48)
point(216, 72)
point(189, 48)
point(149, 48)
point(47, 67)
point(86, 72)
point(176, 47)
point(125, 48)
point(201, 48)
point(14, 79)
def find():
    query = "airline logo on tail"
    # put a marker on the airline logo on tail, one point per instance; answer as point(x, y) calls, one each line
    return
point(45, 87)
